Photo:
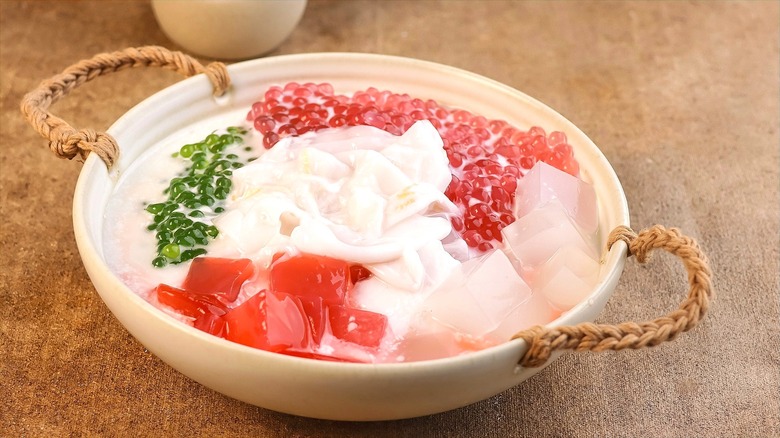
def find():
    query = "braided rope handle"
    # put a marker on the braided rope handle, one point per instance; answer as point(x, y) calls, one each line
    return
point(542, 342)
point(68, 142)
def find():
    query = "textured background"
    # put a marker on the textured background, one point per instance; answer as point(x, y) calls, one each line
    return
point(681, 97)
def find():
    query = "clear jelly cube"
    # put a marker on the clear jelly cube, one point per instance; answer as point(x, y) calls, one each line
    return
point(476, 298)
point(544, 183)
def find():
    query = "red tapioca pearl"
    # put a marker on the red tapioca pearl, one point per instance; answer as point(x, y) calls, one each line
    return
point(482, 183)
point(362, 98)
point(325, 89)
point(470, 174)
point(508, 151)
point(556, 138)
point(308, 115)
point(418, 115)
point(463, 191)
point(500, 199)
point(307, 90)
point(281, 117)
point(472, 140)
point(527, 162)
point(457, 223)
point(354, 108)
point(461, 116)
point(512, 170)
point(461, 131)
point(300, 102)
point(291, 86)
point(537, 131)
point(337, 121)
point(449, 192)
point(257, 109)
point(418, 103)
point(526, 147)
point(519, 137)
point(571, 167)
point(478, 122)
point(392, 101)
point(455, 158)
point(506, 219)
point(435, 122)
point(270, 106)
point(472, 238)
point(305, 129)
point(372, 117)
point(491, 228)
point(564, 149)
point(275, 92)
point(480, 194)
point(482, 134)
point(509, 132)
point(485, 246)
point(509, 182)
point(340, 109)
point(314, 123)
point(496, 126)
point(475, 151)
point(402, 121)
point(539, 145)
point(270, 139)
point(478, 210)
point(287, 130)
point(545, 156)
point(485, 197)
point(491, 167)
point(264, 124)
point(406, 107)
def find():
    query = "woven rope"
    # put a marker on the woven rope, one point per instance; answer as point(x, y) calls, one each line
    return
point(68, 142)
point(543, 341)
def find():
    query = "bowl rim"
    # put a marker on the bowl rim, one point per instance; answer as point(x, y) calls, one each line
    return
point(93, 167)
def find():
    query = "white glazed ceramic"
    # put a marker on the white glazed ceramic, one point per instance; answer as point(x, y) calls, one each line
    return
point(317, 388)
point(228, 29)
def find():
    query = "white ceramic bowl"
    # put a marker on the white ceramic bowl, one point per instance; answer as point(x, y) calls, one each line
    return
point(317, 388)
point(228, 29)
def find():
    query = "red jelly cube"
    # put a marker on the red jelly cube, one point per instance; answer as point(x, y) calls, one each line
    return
point(288, 326)
point(211, 324)
point(272, 322)
point(246, 324)
point(188, 304)
point(357, 326)
point(217, 276)
point(314, 312)
point(206, 309)
point(312, 276)
point(358, 273)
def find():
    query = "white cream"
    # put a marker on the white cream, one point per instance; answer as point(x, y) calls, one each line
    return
point(357, 194)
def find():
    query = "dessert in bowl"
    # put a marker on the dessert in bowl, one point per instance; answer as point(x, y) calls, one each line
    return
point(398, 387)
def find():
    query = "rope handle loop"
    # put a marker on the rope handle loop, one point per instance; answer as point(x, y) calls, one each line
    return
point(542, 342)
point(66, 141)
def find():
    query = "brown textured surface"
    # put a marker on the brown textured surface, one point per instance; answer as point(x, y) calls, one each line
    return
point(683, 98)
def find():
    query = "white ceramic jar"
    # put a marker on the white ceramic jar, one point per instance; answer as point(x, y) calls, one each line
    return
point(228, 29)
